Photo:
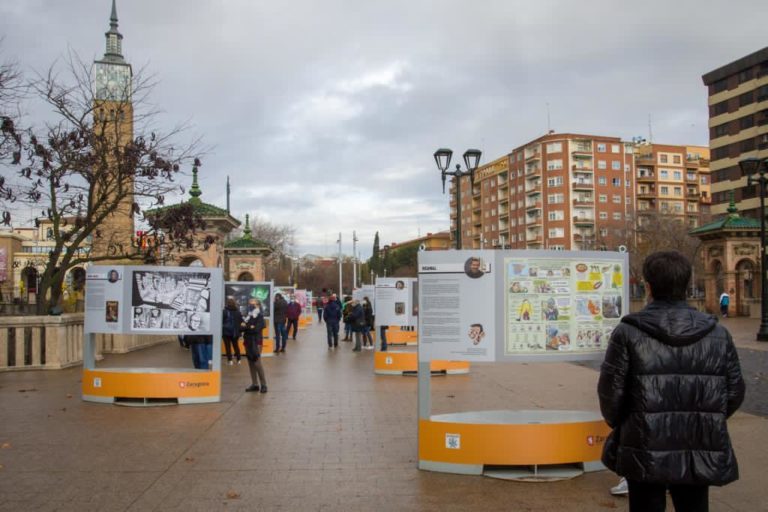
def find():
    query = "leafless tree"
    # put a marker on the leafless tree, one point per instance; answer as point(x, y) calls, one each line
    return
point(95, 159)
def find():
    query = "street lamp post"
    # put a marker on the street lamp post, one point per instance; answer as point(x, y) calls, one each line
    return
point(756, 171)
point(471, 161)
point(341, 294)
point(354, 260)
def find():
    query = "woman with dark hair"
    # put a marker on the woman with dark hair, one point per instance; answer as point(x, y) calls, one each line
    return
point(253, 327)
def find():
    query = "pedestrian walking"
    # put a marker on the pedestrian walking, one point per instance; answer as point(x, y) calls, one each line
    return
point(231, 320)
point(332, 317)
point(279, 317)
point(670, 379)
point(357, 323)
point(253, 337)
point(725, 301)
point(321, 301)
point(368, 311)
point(293, 313)
point(346, 310)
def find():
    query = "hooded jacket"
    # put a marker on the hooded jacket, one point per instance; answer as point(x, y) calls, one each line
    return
point(670, 378)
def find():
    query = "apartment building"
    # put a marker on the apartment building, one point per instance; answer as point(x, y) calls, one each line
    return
point(738, 127)
point(559, 191)
point(673, 180)
point(580, 192)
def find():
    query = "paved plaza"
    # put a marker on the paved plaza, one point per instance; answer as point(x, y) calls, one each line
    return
point(329, 435)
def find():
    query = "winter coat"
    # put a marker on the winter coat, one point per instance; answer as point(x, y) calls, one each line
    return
point(368, 310)
point(670, 378)
point(357, 318)
point(253, 338)
point(236, 318)
point(332, 312)
point(280, 311)
point(293, 311)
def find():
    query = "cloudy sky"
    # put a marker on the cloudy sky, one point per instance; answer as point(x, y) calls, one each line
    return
point(325, 114)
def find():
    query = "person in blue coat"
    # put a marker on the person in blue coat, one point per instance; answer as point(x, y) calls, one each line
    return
point(332, 317)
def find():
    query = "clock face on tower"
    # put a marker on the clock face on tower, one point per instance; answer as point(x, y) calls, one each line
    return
point(112, 82)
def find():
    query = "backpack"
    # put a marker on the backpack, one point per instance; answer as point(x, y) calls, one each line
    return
point(726, 300)
point(228, 325)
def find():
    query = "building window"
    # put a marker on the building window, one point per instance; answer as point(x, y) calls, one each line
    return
point(601, 148)
point(603, 215)
point(616, 199)
point(746, 122)
point(556, 215)
point(628, 201)
point(601, 180)
point(627, 168)
point(720, 85)
point(602, 164)
point(663, 158)
point(677, 175)
point(745, 75)
point(616, 182)
point(603, 198)
point(616, 165)
point(703, 180)
point(556, 233)
point(746, 98)
point(664, 190)
point(555, 198)
point(603, 231)
point(720, 130)
point(627, 183)
point(555, 182)
point(554, 165)
point(678, 191)
point(555, 147)
point(615, 148)
point(664, 174)
point(617, 216)
point(677, 159)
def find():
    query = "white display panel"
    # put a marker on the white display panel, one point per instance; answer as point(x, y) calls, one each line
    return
point(393, 296)
point(537, 305)
point(367, 290)
point(153, 300)
point(457, 318)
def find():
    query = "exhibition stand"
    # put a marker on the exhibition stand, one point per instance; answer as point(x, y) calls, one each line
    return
point(402, 362)
point(151, 300)
point(537, 307)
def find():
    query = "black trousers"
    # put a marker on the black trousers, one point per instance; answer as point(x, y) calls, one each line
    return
point(647, 497)
point(293, 323)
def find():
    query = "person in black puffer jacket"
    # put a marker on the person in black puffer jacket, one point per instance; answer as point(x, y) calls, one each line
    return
point(670, 379)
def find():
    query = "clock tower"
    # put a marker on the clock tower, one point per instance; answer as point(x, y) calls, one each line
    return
point(113, 127)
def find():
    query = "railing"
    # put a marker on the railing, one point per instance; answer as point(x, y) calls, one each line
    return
point(41, 342)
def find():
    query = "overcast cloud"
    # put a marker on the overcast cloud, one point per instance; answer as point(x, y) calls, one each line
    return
point(325, 114)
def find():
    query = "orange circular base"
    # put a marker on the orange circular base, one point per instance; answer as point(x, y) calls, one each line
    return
point(394, 362)
point(538, 442)
point(186, 386)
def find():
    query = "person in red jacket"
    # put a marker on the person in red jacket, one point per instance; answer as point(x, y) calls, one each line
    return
point(293, 312)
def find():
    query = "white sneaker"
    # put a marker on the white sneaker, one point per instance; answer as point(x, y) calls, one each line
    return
point(622, 489)
point(238, 361)
point(230, 363)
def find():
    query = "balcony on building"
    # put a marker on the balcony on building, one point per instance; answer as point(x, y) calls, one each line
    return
point(583, 167)
point(644, 158)
point(646, 193)
point(693, 193)
point(582, 183)
point(533, 220)
point(582, 148)
point(532, 169)
point(584, 200)
point(533, 205)
point(533, 186)
point(533, 153)
point(584, 220)
point(644, 174)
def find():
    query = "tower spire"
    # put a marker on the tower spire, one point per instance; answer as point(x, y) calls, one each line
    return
point(228, 194)
point(195, 191)
point(114, 50)
point(247, 230)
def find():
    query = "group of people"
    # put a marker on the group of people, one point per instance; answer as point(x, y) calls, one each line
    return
point(358, 319)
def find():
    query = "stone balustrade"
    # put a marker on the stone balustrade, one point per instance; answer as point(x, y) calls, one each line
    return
point(53, 342)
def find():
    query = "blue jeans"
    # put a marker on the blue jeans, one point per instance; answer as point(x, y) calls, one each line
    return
point(201, 354)
point(332, 328)
point(383, 332)
point(319, 315)
point(281, 335)
point(367, 338)
point(348, 331)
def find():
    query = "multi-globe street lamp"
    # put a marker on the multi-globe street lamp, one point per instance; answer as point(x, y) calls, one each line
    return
point(471, 161)
point(756, 169)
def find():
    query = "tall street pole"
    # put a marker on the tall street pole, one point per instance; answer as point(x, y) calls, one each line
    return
point(354, 260)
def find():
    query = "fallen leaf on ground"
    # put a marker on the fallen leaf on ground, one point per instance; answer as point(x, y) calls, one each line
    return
point(232, 495)
point(69, 396)
point(27, 390)
point(5, 446)
point(607, 504)
point(189, 459)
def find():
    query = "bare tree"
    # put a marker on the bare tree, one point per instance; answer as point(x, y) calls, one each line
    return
point(11, 93)
point(99, 158)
